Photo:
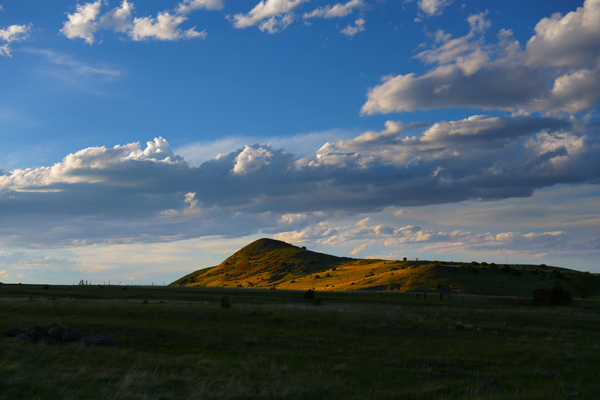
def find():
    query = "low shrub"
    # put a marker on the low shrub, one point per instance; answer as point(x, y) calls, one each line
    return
point(225, 302)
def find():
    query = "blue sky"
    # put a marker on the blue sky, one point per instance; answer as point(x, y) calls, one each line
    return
point(142, 140)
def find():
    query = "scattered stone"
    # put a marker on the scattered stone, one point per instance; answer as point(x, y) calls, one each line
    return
point(67, 337)
point(54, 335)
point(53, 332)
point(23, 338)
point(98, 341)
point(491, 384)
point(34, 333)
point(14, 332)
point(47, 340)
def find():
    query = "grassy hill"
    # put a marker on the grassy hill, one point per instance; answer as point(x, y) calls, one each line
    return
point(268, 263)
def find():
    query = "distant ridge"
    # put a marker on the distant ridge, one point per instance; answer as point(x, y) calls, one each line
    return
point(269, 263)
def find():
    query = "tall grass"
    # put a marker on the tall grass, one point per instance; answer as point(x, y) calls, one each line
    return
point(277, 345)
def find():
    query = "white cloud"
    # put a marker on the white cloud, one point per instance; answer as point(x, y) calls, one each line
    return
point(251, 160)
point(271, 15)
point(164, 27)
point(86, 21)
point(129, 193)
point(549, 243)
point(81, 24)
point(274, 24)
point(433, 7)
point(350, 30)
point(14, 33)
point(571, 41)
point(77, 74)
point(503, 76)
point(188, 6)
point(11, 34)
point(336, 11)
point(118, 19)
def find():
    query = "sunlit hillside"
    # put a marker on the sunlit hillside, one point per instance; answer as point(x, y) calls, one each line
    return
point(268, 263)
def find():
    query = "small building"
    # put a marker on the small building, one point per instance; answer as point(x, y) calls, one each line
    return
point(551, 297)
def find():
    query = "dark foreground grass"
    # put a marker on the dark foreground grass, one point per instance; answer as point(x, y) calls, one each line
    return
point(272, 344)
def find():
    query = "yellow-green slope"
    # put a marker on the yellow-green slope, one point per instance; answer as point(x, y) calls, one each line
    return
point(268, 263)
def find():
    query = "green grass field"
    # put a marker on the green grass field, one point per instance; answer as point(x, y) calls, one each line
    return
point(273, 344)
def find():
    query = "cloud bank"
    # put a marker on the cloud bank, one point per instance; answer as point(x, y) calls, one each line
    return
point(132, 194)
point(558, 70)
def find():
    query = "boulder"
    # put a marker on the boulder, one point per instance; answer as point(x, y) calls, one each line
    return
point(34, 333)
point(14, 332)
point(47, 340)
point(67, 337)
point(53, 332)
point(23, 338)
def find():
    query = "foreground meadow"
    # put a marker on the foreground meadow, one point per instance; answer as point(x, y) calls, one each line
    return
point(178, 343)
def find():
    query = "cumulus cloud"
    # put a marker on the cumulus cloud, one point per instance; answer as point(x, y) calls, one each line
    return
point(351, 30)
point(433, 7)
point(82, 23)
point(118, 19)
point(251, 160)
point(270, 15)
point(86, 21)
point(572, 40)
point(551, 243)
point(164, 27)
point(549, 75)
point(11, 34)
point(129, 193)
point(336, 11)
point(14, 33)
point(187, 6)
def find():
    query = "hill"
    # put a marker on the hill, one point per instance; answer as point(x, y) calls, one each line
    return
point(268, 263)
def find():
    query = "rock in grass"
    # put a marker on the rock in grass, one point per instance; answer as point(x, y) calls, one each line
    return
point(34, 333)
point(53, 332)
point(47, 340)
point(14, 332)
point(67, 337)
point(98, 341)
point(23, 338)
point(491, 384)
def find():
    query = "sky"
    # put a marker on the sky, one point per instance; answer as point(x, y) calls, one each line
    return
point(143, 140)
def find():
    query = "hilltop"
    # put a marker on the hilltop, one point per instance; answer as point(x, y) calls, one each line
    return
point(268, 263)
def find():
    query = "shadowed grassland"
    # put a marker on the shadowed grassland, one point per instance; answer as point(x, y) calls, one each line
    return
point(274, 344)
